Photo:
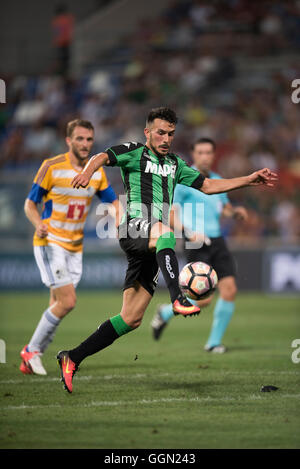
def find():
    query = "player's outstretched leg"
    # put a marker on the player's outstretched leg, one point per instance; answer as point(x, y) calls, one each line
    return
point(166, 258)
point(104, 336)
point(135, 302)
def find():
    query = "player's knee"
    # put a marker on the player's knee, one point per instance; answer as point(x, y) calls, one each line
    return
point(68, 303)
point(233, 292)
point(229, 293)
point(72, 303)
point(132, 320)
point(161, 236)
point(136, 323)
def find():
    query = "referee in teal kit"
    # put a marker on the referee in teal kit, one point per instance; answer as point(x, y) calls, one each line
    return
point(214, 250)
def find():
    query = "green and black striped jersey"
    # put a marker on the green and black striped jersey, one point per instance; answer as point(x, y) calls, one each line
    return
point(149, 180)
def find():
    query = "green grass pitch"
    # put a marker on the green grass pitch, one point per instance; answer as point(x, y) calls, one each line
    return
point(145, 394)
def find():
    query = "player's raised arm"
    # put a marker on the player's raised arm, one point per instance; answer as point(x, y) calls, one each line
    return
point(264, 177)
point(82, 179)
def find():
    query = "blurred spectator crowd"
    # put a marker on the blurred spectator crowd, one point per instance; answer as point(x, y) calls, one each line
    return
point(186, 59)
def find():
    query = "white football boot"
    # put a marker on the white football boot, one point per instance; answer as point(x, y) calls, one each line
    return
point(31, 362)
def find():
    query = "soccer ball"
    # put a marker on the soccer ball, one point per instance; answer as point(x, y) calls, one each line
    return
point(198, 280)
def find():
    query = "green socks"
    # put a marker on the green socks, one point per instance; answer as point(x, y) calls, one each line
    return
point(120, 325)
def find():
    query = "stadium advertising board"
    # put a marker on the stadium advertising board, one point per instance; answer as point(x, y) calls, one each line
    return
point(281, 269)
point(275, 270)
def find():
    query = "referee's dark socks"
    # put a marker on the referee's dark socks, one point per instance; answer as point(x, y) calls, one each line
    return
point(104, 336)
point(167, 261)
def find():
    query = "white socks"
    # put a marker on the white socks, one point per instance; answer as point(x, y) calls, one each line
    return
point(44, 332)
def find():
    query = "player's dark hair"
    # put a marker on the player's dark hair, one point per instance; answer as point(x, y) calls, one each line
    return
point(204, 140)
point(163, 113)
point(78, 123)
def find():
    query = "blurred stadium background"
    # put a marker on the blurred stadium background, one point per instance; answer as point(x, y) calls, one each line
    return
point(225, 66)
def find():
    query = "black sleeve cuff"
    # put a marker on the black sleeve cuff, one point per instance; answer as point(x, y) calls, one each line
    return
point(112, 158)
point(197, 184)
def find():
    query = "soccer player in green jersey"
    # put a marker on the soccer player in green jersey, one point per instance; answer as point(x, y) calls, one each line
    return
point(150, 173)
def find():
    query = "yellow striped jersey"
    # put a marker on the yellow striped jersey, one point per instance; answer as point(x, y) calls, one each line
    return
point(65, 208)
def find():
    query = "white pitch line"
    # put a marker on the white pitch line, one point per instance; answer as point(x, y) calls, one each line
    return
point(143, 402)
point(77, 378)
point(35, 379)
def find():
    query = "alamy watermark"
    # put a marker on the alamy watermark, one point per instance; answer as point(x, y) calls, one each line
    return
point(2, 91)
point(140, 225)
point(2, 351)
point(296, 93)
point(296, 353)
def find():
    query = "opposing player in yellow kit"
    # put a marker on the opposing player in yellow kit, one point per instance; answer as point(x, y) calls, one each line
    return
point(58, 238)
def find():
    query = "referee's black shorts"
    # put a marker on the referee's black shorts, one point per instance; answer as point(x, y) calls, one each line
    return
point(142, 264)
point(217, 255)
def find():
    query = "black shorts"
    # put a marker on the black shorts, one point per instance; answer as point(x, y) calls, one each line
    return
point(142, 265)
point(217, 255)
